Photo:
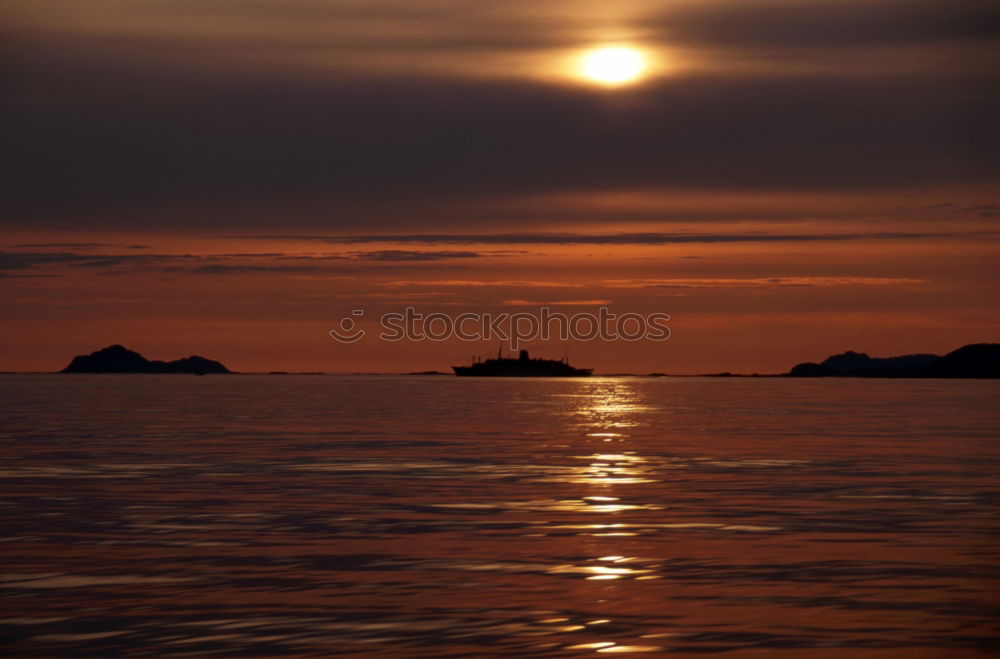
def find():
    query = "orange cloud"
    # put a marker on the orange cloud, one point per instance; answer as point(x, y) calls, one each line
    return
point(555, 303)
point(758, 282)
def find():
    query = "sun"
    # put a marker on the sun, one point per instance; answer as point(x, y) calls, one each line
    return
point(613, 65)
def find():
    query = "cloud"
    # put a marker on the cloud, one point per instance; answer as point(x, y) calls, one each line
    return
point(229, 263)
point(554, 303)
point(7, 275)
point(397, 295)
point(984, 210)
point(757, 282)
point(647, 238)
point(405, 255)
point(64, 245)
point(131, 262)
point(23, 260)
point(873, 23)
point(17, 261)
point(103, 128)
point(478, 282)
point(219, 269)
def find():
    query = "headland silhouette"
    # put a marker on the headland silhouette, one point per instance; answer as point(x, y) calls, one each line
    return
point(977, 360)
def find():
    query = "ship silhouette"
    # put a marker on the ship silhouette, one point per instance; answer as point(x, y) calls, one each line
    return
point(523, 366)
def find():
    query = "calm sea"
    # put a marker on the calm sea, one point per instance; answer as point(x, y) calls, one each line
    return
point(315, 516)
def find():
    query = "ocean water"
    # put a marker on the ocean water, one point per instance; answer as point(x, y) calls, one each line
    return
point(316, 516)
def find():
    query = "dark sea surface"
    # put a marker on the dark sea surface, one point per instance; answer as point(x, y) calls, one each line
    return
point(315, 516)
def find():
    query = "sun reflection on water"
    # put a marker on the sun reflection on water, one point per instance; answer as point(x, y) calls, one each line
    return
point(604, 409)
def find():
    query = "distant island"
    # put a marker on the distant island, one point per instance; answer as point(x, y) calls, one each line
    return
point(978, 360)
point(119, 359)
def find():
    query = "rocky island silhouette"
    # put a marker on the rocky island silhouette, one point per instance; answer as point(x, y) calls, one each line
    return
point(119, 359)
point(977, 360)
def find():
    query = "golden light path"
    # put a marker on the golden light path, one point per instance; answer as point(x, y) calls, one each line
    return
point(613, 65)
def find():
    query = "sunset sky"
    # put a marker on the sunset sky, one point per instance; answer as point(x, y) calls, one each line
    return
point(230, 178)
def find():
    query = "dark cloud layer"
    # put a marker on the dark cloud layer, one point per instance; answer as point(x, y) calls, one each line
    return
point(108, 128)
point(65, 245)
point(24, 260)
point(873, 24)
point(14, 263)
point(91, 151)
